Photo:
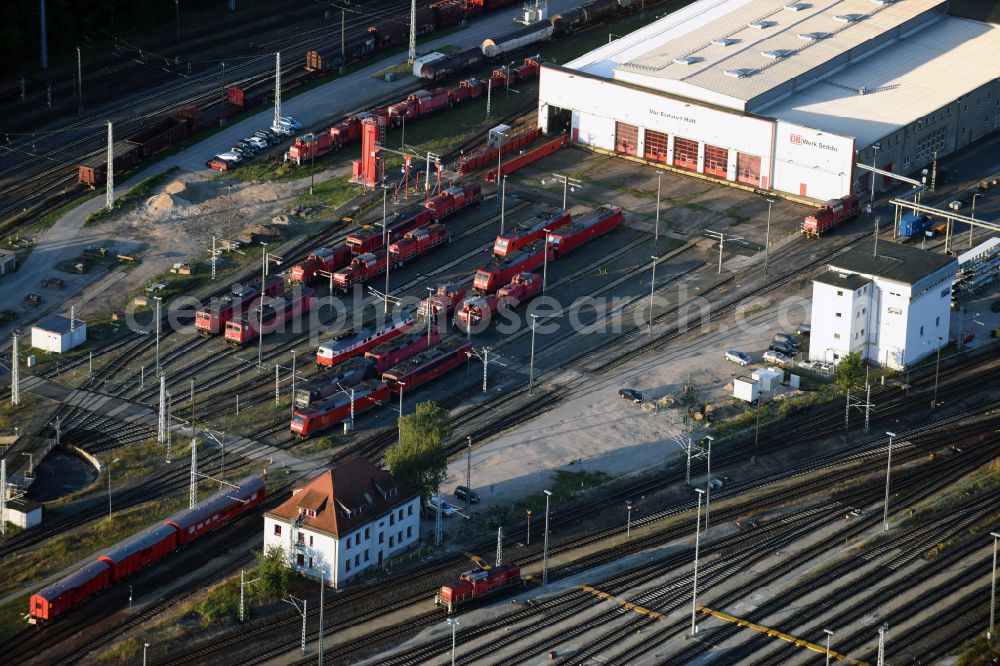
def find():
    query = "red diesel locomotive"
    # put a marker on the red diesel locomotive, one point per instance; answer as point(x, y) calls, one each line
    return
point(268, 316)
point(339, 408)
point(212, 320)
point(406, 221)
point(478, 584)
point(324, 259)
point(388, 354)
point(141, 551)
point(426, 366)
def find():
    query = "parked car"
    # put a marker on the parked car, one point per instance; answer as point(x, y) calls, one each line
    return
point(256, 142)
point(446, 509)
point(247, 147)
point(805, 328)
point(290, 122)
point(465, 493)
point(245, 153)
point(782, 348)
point(229, 157)
point(631, 394)
point(266, 137)
point(741, 358)
point(283, 130)
point(788, 339)
point(771, 356)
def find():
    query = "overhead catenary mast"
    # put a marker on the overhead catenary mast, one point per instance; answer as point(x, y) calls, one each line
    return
point(110, 201)
point(277, 89)
point(413, 31)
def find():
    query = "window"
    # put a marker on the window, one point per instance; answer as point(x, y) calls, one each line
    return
point(390, 541)
point(310, 540)
point(357, 560)
point(655, 146)
point(836, 336)
point(400, 514)
point(937, 321)
point(838, 315)
point(945, 291)
point(348, 565)
point(399, 537)
point(392, 519)
point(277, 530)
point(840, 293)
point(366, 554)
point(381, 537)
point(368, 533)
point(310, 563)
point(409, 510)
point(300, 559)
point(836, 357)
point(302, 538)
point(409, 532)
point(921, 331)
point(347, 542)
point(862, 331)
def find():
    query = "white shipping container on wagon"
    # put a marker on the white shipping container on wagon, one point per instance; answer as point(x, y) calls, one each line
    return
point(58, 334)
point(419, 63)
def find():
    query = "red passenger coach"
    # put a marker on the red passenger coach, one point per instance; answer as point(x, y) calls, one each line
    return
point(569, 238)
point(337, 408)
point(143, 550)
point(426, 366)
point(212, 320)
point(503, 269)
point(530, 230)
point(477, 584)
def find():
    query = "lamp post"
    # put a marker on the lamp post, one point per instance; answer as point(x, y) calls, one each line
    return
point(500, 138)
point(937, 370)
point(652, 290)
point(767, 237)
point(545, 259)
point(828, 635)
point(656, 228)
point(430, 310)
point(529, 528)
point(158, 301)
point(454, 622)
point(503, 203)
point(708, 480)
point(109, 484)
point(145, 646)
point(993, 587)
point(628, 520)
point(567, 182)
point(531, 364)
point(260, 332)
point(697, 543)
point(888, 469)
point(875, 147)
point(468, 473)
point(402, 385)
point(545, 540)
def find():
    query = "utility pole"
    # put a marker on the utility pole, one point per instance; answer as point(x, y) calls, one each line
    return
point(169, 435)
point(437, 524)
point(503, 202)
point(756, 433)
point(44, 36)
point(158, 301)
point(628, 520)
point(993, 586)
point(79, 81)
point(468, 475)
point(529, 528)
point(722, 238)
point(545, 547)
point(531, 365)
point(193, 489)
point(656, 233)
point(884, 627)
point(293, 381)
point(829, 634)
point(110, 194)
point(3, 490)
point(343, 45)
point(413, 32)
point(277, 387)
point(767, 237)
point(277, 88)
point(215, 257)
point(652, 291)
point(545, 260)
point(15, 372)
point(295, 602)
point(708, 480)
point(161, 432)
point(697, 544)
point(888, 470)
point(937, 370)
point(499, 546)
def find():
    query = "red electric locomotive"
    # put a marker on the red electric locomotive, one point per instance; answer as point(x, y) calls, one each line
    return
point(406, 221)
point(530, 230)
point(569, 238)
point(268, 316)
point(351, 343)
point(212, 320)
point(388, 354)
point(503, 269)
point(478, 584)
point(426, 366)
point(338, 408)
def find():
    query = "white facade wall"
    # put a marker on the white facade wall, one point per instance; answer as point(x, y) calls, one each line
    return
point(929, 317)
point(25, 519)
point(598, 103)
point(812, 163)
point(839, 321)
point(352, 554)
point(58, 342)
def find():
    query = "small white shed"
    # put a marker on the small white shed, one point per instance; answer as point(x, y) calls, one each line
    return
point(58, 334)
point(745, 388)
point(768, 378)
point(24, 513)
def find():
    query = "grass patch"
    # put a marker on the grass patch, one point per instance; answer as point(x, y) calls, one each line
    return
point(977, 651)
point(332, 193)
point(399, 69)
point(274, 169)
point(12, 617)
point(125, 204)
point(567, 484)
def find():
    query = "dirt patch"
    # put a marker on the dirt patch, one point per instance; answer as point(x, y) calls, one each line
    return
point(175, 187)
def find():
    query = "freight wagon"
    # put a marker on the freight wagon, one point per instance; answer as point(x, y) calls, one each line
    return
point(336, 55)
point(426, 366)
point(94, 172)
point(160, 136)
point(387, 354)
point(406, 221)
point(351, 372)
point(340, 407)
point(324, 259)
point(417, 242)
point(396, 32)
point(503, 269)
point(454, 199)
point(488, 155)
point(477, 584)
point(914, 224)
point(518, 39)
point(141, 551)
point(530, 230)
point(567, 239)
point(573, 19)
point(268, 316)
point(831, 215)
point(212, 319)
point(347, 344)
point(462, 61)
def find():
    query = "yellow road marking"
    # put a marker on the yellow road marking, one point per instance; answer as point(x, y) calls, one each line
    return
point(625, 604)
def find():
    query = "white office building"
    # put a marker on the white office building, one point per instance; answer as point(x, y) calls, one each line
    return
point(58, 334)
point(344, 521)
point(893, 307)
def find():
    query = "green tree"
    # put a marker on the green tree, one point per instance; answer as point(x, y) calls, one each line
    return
point(418, 460)
point(848, 370)
point(273, 573)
